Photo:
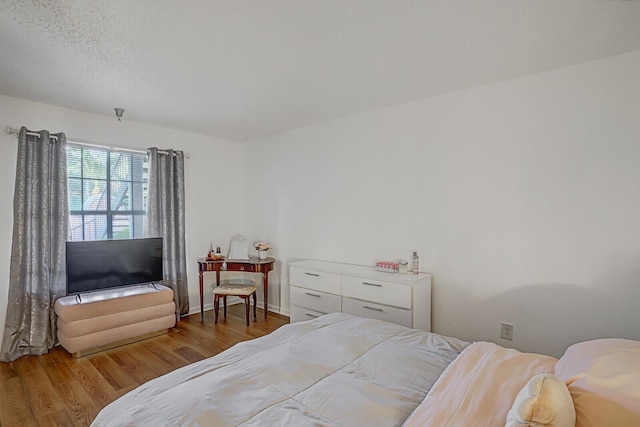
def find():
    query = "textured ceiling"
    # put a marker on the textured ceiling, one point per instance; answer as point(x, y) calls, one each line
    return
point(244, 69)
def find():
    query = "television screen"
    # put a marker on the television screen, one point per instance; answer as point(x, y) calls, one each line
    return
point(102, 264)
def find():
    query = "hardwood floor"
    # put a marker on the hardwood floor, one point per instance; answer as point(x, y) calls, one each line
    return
point(58, 390)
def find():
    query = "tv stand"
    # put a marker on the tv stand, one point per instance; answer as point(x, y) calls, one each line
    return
point(105, 319)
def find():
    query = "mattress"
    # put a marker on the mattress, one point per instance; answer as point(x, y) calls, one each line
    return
point(336, 370)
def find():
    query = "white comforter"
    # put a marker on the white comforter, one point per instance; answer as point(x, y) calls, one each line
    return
point(336, 370)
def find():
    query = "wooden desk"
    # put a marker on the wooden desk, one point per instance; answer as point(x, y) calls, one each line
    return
point(252, 265)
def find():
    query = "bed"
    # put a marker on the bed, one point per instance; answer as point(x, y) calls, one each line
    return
point(342, 370)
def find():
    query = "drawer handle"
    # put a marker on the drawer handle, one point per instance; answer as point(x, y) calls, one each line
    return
point(312, 295)
point(377, 285)
point(310, 315)
point(372, 308)
point(312, 274)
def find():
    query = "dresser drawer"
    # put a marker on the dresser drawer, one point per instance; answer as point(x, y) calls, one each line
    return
point(316, 280)
point(298, 314)
point(388, 293)
point(316, 300)
point(377, 311)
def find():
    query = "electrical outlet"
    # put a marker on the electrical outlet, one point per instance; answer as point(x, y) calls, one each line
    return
point(507, 331)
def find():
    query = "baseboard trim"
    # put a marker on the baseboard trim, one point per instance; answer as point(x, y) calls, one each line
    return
point(234, 300)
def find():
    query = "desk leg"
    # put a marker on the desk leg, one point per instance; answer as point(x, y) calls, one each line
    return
point(265, 286)
point(201, 301)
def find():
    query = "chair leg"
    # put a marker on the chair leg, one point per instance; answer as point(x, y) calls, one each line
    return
point(216, 305)
point(247, 303)
point(225, 306)
point(255, 303)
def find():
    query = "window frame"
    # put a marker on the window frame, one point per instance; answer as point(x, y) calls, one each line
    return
point(108, 180)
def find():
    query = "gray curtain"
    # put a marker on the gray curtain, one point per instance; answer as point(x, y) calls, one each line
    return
point(165, 218)
point(40, 229)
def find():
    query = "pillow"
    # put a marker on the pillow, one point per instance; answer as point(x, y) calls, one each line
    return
point(478, 387)
point(543, 401)
point(604, 381)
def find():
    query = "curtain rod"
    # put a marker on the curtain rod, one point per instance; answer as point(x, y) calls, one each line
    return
point(15, 131)
point(11, 130)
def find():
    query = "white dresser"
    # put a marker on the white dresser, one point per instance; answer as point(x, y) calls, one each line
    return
point(320, 287)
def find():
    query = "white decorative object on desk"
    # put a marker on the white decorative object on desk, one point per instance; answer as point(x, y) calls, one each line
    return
point(262, 247)
point(239, 248)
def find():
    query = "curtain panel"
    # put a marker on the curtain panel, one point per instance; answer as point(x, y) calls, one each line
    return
point(37, 275)
point(165, 218)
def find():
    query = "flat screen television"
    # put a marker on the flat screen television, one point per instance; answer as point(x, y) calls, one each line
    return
point(102, 264)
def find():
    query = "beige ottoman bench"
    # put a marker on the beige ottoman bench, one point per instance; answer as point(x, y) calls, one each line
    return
point(96, 321)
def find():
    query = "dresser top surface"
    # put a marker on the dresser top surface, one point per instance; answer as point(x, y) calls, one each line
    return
point(359, 271)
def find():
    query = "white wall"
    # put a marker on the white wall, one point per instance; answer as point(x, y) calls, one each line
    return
point(214, 209)
point(522, 198)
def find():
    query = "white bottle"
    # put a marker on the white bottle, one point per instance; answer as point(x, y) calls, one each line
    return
point(416, 263)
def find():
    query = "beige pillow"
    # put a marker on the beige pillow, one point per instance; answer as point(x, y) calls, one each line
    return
point(604, 381)
point(543, 401)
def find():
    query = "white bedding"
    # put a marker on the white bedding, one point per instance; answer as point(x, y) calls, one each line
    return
point(337, 370)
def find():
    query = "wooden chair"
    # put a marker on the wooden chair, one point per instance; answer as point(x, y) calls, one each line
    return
point(242, 288)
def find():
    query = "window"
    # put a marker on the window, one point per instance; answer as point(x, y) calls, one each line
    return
point(107, 193)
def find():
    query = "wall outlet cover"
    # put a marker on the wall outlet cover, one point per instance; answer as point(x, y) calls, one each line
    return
point(506, 332)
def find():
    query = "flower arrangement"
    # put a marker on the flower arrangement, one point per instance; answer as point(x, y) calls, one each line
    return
point(262, 246)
